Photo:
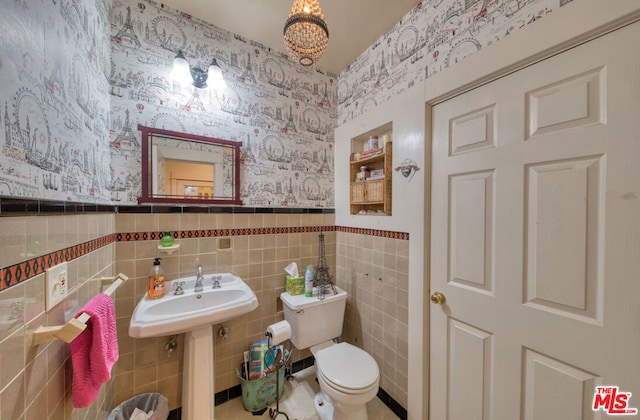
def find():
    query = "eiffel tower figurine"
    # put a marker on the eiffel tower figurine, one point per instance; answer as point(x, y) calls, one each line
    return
point(321, 277)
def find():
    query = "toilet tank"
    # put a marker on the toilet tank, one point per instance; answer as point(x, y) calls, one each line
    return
point(314, 321)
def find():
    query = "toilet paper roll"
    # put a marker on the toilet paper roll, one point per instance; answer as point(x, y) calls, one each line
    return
point(278, 332)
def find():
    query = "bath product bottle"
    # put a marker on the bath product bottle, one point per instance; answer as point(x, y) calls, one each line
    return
point(156, 281)
point(166, 240)
point(308, 281)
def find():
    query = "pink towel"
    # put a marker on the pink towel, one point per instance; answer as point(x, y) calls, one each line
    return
point(94, 351)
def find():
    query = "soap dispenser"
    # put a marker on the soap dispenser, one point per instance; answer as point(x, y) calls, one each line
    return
point(156, 281)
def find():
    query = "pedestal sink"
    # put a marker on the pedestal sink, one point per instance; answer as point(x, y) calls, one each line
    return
point(194, 313)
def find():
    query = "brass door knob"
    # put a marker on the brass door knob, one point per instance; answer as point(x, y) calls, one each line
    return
point(438, 298)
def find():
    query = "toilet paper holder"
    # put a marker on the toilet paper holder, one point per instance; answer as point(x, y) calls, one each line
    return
point(278, 332)
point(288, 363)
point(277, 358)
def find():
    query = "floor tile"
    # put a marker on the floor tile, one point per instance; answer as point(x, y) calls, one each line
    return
point(297, 402)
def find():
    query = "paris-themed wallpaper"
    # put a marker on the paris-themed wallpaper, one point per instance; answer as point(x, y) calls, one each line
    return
point(78, 76)
point(54, 100)
point(433, 36)
point(283, 114)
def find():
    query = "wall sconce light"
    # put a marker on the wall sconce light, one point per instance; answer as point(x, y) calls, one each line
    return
point(185, 73)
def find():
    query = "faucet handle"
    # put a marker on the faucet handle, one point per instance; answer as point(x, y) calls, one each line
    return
point(216, 281)
point(178, 286)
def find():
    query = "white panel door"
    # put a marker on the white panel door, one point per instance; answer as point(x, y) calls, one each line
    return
point(536, 238)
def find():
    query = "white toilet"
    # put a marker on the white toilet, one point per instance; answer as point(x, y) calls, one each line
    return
point(348, 376)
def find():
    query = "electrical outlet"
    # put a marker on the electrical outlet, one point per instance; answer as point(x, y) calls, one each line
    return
point(57, 285)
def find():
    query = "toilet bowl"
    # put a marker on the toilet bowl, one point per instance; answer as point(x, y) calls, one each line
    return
point(348, 376)
point(348, 379)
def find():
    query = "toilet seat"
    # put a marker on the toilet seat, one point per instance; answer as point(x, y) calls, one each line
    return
point(347, 368)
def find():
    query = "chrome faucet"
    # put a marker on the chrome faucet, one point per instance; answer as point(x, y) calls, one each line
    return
point(199, 279)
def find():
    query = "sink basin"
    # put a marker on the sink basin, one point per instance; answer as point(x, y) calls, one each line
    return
point(196, 303)
point(174, 314)
point(194, 313)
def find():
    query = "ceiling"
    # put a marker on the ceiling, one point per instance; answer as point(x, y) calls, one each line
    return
point(354, 25)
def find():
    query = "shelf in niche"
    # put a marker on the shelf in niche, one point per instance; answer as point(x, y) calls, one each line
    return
point(371, 195)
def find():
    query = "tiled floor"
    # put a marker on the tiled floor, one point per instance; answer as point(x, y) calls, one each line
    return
point(297, 402)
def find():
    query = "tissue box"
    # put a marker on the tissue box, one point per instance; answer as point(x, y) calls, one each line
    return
point(295, 285)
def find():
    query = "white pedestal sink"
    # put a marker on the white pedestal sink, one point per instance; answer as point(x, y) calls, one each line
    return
point(194, 313)
point(197, 378)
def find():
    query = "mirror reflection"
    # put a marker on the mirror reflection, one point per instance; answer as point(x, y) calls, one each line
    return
point(186, 168)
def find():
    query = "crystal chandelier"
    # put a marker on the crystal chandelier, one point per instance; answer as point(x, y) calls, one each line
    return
point(305, 32)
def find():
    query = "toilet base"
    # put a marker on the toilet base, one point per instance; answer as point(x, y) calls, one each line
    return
point(327, 410)
point(324, 406)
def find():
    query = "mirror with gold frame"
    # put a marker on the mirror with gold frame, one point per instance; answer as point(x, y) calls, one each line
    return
point(188, 168)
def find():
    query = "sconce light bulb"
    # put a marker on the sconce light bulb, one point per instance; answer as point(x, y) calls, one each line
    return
point(181, 71)
point(215, 78)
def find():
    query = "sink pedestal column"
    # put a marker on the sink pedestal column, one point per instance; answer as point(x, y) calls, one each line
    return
point(197, 375)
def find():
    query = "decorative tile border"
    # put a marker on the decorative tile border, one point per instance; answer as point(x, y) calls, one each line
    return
point(393, 405)
point(215, 233)
point(374, 232)
point(164, 209)
point(23, 271)
point(17, 273)
point(12, 207)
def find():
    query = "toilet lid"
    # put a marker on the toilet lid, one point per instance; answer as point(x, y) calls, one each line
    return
point(347, 366)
